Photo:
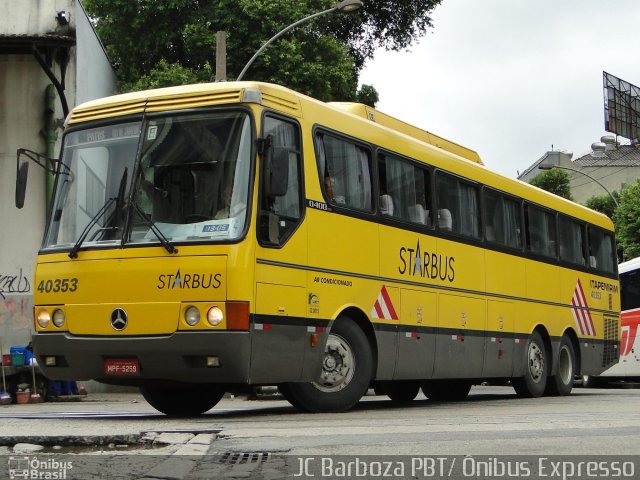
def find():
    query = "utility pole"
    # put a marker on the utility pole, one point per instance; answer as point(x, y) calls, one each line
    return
point(221, 56)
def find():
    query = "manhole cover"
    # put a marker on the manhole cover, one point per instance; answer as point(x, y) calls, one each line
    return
point(239, 458)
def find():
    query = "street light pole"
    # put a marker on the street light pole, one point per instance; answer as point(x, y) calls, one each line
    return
point(549, 166)
point(346, 6)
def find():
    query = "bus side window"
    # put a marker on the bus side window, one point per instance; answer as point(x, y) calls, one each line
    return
point(541, 231)
point(406, 187)
point(346, 170)
point(280, 216)
point(630, 289)
point(571, 240)
point(459, 201)
point(602, 250)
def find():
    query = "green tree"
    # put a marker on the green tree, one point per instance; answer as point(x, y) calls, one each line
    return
point(627, 220)
point(554, 181)
point(166, 42)
point(603, 203)
point(368, 95)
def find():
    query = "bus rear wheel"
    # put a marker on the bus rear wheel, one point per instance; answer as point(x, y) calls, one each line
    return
point(399, 390)
point(446, 390)
point(562, 382)
point(347, 369)
point(185, 401)
point(534, 381)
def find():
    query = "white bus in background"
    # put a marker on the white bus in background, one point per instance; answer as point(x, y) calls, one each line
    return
point(628, 368)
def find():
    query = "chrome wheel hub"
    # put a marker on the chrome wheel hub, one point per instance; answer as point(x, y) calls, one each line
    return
point(536, 362)
point(338, 365)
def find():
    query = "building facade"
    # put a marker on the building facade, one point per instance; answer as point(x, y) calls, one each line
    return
point(50, 60)
point(613, 165)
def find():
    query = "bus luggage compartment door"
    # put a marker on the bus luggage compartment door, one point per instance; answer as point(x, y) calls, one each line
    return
point(416, 339)
point(278, 334)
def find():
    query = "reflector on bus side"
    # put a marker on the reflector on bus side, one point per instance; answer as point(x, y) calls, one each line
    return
point(237, 315)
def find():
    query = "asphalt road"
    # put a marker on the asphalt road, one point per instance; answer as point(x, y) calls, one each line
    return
point(267, 438)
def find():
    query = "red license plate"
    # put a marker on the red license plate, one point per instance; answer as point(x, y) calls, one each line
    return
point(121, 366)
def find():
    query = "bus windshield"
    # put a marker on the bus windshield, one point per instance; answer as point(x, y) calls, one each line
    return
point(93, 185)
point(191, 182)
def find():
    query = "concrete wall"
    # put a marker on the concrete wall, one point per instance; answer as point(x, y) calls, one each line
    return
point(22, 87)
point(94, 76)
point(613, 178)
point(32, 17)
point(22, 105)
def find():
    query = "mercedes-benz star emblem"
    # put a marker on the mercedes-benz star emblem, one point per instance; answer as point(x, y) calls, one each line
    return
point(119, 319)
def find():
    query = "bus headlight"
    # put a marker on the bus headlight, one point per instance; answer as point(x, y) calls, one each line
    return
point(58, 318)
point(215, 316)
point(192, 316)
point(44, 318)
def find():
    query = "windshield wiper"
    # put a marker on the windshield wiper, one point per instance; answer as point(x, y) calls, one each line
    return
point(74, 251)
point(149, 223)
point(118, 200)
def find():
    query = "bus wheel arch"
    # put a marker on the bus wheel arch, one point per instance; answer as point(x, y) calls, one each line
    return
point(357, 316)
point(345, 374)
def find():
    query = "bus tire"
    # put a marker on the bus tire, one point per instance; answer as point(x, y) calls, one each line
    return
point(446, 390)
point(589, 381)
point(185, 401)
point(534, 381)
point(561, 383)
point(285, 390)
point(347, 369)
point(401, 391)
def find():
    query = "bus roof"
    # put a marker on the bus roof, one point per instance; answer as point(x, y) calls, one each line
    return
point(444, 153)
point(633, 264)
point(408, 129)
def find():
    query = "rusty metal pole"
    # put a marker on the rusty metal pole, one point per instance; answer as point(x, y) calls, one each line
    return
point(221, 56)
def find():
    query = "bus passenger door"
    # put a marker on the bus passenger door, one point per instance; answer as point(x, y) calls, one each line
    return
point(279, 332)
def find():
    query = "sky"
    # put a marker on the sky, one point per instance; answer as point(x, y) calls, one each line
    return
point(512, 79)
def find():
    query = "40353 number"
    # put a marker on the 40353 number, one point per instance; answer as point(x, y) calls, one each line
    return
point(58, 285)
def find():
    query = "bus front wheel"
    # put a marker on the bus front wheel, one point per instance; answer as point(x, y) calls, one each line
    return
point(185, 401)
point(562, 382)
point(534, 381)
point(347, 369)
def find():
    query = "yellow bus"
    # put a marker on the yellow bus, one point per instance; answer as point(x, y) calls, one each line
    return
point(212, 238)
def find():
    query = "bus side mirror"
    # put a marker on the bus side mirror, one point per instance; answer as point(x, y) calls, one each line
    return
point(277, 171)
point(51, 165)
point(22, 171)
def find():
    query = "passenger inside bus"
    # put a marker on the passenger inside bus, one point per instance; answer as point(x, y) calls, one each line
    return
point(329, 186)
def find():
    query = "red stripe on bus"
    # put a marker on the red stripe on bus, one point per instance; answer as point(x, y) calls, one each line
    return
point(387, 301)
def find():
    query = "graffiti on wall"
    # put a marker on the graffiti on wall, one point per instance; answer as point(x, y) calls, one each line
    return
point(16, 309)
point(13, 284)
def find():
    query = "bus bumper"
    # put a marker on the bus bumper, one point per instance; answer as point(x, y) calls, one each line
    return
point(190, 357)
